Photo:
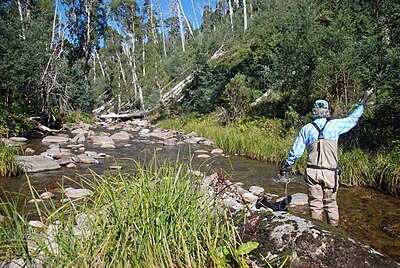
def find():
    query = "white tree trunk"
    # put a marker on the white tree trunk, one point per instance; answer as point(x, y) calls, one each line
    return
point(101, 65)
point(231, 13)
point(21, 17)
point(244, 15)
point(54, 25)
point(121, 69)
point(195, 16)
point(181, 28)
point(163, 31)
point(143, 57)
point(184, 15)
point(153, 27)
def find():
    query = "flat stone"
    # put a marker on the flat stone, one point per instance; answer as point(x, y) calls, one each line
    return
point(256, 190)
point(85, 159)
point(101, 140)
point(108, 146)
point(59, 153)
point(72, 166)
point(17, 263)
point(64, 161)
point(203, 156)
point(78, 139)
point(201, 152)
point(18, 139)
point(36, 224)
point(297, 199)
point(115, 167)
point(79, 131)
point(217, 151)
point(46, 195)
point(37, 163)
point(91, 153)
point(121, 136)
point(77, 193)
point(75, 146)
point(249, 198)
point(170, 142)
point(29, 151)
point(55, 139)
point(144, 131)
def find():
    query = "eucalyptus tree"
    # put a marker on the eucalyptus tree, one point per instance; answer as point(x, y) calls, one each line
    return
point(87, 23)
point(127, 17)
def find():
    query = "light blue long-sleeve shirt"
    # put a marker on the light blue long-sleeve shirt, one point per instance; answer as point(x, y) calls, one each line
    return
point(333, 129)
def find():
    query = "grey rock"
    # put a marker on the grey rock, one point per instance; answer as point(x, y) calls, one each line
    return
point(80, 131)
point(77, 193)
point(115, 167)
point(314, 245)
point(297, 199)
point(37, 163)
point(203, 156)
point(46, 195)
point(17, 263)
point(256, 190)
point(201, 152)
point(18, 139)
point(59, 153)
point(64, 161)
point(121, 136)
point(85, 159)
point(72, 166)
point(29, 151)
point(101, 140)
point(55, 139)
point(217, 151)
point(36, 224)
point(249, 198)
point(170, 142)
point(79, 138)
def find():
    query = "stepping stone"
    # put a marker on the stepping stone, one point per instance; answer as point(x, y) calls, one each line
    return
point(37, 163)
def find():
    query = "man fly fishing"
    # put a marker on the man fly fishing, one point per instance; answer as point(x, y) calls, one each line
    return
point(320, 138)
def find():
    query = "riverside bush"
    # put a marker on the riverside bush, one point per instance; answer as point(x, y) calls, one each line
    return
point(156, 216)
point(8, 165)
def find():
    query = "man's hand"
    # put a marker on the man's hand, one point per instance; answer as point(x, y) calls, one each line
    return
point(284, 170)
point(366, 96)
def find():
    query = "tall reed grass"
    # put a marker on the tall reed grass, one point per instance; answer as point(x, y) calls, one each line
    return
point(267, 141)
point(157, 216)
point(8, 165)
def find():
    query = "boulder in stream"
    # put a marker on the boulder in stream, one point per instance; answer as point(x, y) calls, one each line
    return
point(312, 244)
point(121, 136)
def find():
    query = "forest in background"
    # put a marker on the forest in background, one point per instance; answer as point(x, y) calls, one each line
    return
point(129, 54)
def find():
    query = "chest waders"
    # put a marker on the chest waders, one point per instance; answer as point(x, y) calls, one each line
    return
point(322, 155)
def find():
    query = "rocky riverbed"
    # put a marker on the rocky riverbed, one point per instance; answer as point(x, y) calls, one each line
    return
point(309, 244)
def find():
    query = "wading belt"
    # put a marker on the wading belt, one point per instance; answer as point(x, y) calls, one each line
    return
point(321, 137)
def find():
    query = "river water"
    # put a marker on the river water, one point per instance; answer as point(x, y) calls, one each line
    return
point(366, 214)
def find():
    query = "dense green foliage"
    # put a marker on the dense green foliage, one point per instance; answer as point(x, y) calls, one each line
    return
point(157, 216)
point(124, 55)
point(8, 165)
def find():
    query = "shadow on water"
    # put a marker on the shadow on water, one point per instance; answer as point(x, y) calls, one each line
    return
point(366, 214)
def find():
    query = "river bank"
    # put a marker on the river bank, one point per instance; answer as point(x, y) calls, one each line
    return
point(270, 140)
point(135, 146)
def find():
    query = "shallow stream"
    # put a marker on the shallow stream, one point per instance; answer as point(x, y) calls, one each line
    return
point(366, 214)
